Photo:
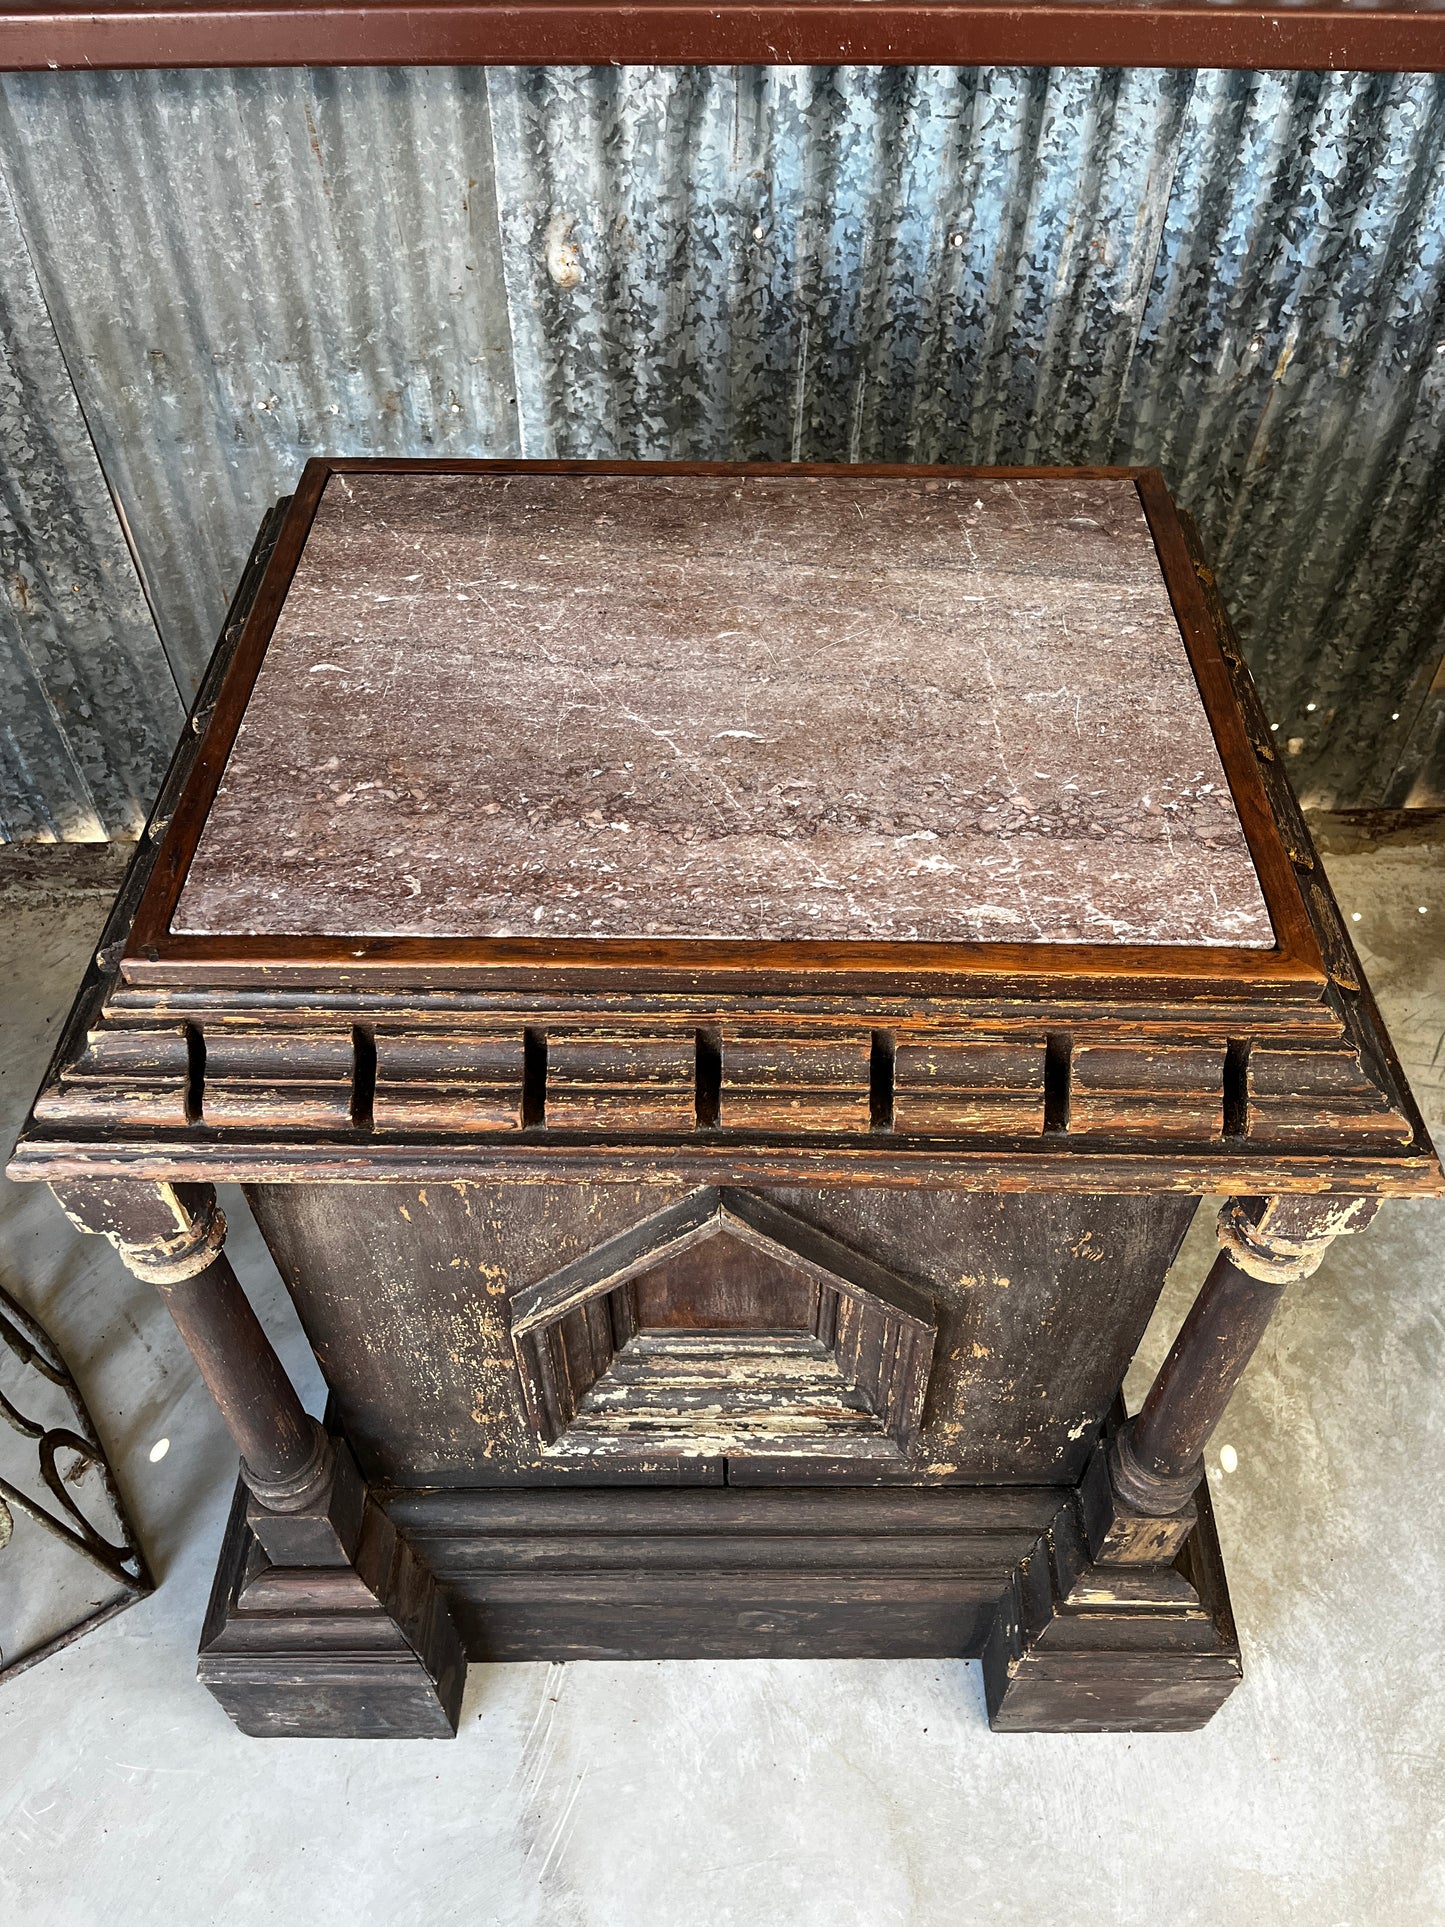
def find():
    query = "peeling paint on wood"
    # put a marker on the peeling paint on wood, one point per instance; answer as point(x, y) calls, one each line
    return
point(434, 1360)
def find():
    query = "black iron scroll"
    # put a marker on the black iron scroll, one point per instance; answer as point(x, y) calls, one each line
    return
point(64, 1454)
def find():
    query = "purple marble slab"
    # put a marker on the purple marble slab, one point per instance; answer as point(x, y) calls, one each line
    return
point(768, 707)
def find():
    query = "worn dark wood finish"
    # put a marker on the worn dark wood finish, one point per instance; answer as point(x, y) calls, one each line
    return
point(1271, 1244)
point(992, 1166)
point(358, 1651)
point(732, 1296)
point(1083, 1646)
point(621, 1083)
point(1218, 1339)
point(955, 1087)
point(1330, 34)
point(172, 1235)
point(725, 1574)
point(243, 1375)
point(758, 1062)
point(1155, 1461)
point(306, 1506)
point(1039, 1302)
point(723, 1326)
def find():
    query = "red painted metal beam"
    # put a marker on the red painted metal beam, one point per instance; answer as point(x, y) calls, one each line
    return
point(1081, 33)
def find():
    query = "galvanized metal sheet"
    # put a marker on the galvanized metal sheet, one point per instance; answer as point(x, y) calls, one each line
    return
point(1296, 394)
point(1234, 275)
point(250, 268)
point(88, 710)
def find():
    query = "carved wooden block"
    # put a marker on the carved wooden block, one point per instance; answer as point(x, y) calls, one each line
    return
point(255, 1078)
point(1312, 1096)
point(621, 1083)
point(428, 1081)
point(125, 1079)
point(955, 1088)
point(1147, 1091)
point(363, 1651)
point(790, 1085)
point(1083, 1645)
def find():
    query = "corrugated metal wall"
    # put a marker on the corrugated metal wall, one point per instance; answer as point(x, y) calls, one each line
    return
point(250, 268)
point(1237, 276)
point(88, 709)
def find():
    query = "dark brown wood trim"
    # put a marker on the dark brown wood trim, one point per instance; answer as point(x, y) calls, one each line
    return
point(101, 974)
point(172, 1236)
point(1085, 33)
point(1022, 1005)
point(362, 1650)
point(1080, 1646)
point(1293, 969)
point(1059, 1164)
point(1120, 971)
point(1202, 642)
point(182, 833)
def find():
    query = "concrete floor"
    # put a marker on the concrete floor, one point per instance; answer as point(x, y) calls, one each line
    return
point(759, 1793)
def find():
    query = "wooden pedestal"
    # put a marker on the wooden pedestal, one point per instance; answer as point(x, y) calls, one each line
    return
point(724, 986)
point(1082, 1645)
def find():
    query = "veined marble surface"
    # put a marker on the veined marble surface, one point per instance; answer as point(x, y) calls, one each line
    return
point(768, 707)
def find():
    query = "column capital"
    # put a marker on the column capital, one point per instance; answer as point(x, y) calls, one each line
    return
point(165, 1233)
point(1279, 1241)
point(171, 1260)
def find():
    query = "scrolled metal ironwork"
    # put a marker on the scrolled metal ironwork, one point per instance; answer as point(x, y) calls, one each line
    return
point(125, 1563)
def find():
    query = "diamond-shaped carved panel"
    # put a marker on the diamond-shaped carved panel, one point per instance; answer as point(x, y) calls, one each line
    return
point(723, 1326)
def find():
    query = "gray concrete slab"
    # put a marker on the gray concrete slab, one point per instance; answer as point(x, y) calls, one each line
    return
point(758, 1793)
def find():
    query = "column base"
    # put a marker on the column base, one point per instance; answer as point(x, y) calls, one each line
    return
point(1085, 1646)
point(361, 1651)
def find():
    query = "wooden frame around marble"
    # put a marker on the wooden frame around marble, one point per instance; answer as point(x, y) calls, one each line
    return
point(1293, 970)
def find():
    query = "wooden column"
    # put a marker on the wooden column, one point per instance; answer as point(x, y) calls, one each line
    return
point(286, 1457)
point(348, 1634)
point(1156, 1459)
point(173, 1237)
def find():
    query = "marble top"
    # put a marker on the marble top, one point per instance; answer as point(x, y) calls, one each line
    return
point(761, 707)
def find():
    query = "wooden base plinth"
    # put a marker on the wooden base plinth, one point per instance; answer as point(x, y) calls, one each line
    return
point(725, 1572)
point(320, 1652)
point(1080, 1646)
point(1002, 1573)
